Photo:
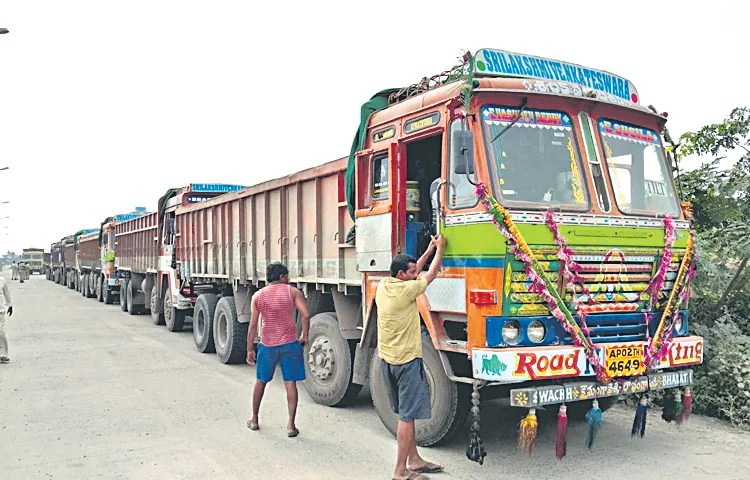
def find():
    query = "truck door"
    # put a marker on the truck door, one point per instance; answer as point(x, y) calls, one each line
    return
point(381, 207)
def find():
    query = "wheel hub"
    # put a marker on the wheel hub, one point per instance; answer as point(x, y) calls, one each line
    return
point(321, 359)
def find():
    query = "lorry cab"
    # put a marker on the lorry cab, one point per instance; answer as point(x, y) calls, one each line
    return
point(570, 157)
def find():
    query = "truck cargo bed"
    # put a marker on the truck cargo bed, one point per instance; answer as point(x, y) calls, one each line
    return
point(300, 220)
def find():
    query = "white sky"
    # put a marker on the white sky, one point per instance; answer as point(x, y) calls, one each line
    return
point(104, 105)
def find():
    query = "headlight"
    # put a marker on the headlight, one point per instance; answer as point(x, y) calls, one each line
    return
point(679, 323)
point(536, 331)
point(511, 332)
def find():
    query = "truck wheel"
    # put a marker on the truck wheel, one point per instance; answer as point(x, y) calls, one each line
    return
point(577, 410)
point(329, 363)
point(80, 286)
point(230, 336)
point(100, 289)
point(157, 313)
point(90, 289)
point(449, 401)
point(203, 322)
point(174, 318)
point(132, 309)
point(124, 285)
point(71, 282)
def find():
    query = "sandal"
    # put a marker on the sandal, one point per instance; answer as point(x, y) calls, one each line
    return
point(428, 467)
point(414, 476)
point(293, 433)
point(251, 426)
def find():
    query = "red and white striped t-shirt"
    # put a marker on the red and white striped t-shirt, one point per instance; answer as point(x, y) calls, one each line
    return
point(277, 307)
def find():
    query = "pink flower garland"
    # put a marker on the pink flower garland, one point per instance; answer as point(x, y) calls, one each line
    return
point(657, 282)
point(656, 359)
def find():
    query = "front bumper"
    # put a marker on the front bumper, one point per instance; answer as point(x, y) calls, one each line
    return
point(517, 365)
point(577, 391)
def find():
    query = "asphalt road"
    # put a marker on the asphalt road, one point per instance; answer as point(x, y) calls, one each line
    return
point(92, 392)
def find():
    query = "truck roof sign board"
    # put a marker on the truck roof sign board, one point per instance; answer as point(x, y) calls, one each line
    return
point(508, 64)
point(214, 188)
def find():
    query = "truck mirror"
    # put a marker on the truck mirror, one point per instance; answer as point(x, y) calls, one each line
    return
point(462, 152)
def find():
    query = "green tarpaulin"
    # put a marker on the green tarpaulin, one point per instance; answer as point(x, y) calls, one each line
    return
point(378, 102)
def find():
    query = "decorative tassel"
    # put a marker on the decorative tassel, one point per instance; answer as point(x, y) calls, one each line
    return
point(687, 407)
point(594, 420)
point(672, 407)
point(527, 433)
point(561, 439)
point(639, 423)
point(476, 451)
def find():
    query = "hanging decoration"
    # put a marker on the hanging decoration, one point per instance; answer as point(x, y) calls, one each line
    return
point(476, 451)
point(687, 407)
point(561, 438)
point(527, 432)
point(544, 286)
point(657, 282)
point(659, 344)
point(594, 419)
point(639, 422)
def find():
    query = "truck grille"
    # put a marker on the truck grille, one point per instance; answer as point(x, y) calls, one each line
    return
point(616, 280)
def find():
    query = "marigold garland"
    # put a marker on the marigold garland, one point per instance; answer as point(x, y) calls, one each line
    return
point(540, 279)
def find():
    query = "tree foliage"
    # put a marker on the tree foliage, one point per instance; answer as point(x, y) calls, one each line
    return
point(720, 198)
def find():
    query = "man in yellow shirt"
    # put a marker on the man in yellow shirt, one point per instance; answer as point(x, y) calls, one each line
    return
point(400, 348)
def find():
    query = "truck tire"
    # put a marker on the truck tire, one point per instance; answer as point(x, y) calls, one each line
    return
point(71, 282)
point(133, 309)
point(124, 285)
point(328, 368)
point(203, 322)
point(100, 289)
point(80, 286)
point(230, 336)
point(173, 318)
point(157, 312)
point(577, 410)
point(90, 286)
point(450, 401)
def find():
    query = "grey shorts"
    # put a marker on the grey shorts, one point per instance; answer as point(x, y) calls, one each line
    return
point(408, 390)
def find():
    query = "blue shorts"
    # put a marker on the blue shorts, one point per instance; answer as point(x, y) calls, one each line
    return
point(291, 356)
point(408, 391)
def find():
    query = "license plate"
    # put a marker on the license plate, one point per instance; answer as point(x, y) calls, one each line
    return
point(624, 360)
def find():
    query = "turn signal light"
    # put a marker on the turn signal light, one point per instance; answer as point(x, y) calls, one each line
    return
point(483, 297)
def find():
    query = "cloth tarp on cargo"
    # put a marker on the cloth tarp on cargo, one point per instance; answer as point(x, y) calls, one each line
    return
point(378, 102)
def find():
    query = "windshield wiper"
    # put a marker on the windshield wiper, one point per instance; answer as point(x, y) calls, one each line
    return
point(513, 122)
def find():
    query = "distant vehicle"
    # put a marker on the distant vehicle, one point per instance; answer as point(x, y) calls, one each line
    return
point(34, 258)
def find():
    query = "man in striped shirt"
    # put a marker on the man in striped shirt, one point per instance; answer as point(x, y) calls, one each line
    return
point(278, 340)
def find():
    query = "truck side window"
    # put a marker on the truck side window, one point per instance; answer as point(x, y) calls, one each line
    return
point(460, 191)
point(380, 176)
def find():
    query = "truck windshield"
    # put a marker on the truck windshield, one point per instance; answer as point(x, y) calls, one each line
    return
point(535, 163)
point(637, 168)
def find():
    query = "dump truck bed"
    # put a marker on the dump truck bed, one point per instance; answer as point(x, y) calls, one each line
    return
point(300, 220)
point(89, 254)
point(135, 247)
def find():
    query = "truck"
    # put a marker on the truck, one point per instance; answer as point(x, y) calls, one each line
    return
point(47, 259)
point(56, 270)
point(34, 258)
point(568, 256)
point(71, 277)
point(143, 256)
point(95, 259)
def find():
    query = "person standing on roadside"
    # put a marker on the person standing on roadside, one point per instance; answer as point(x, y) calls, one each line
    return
point(14, 271)
point(400, 348)
point(278, 340)
point(6, 307)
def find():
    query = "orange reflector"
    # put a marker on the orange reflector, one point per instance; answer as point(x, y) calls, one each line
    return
point(483, 297)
